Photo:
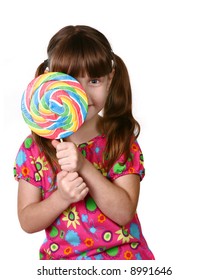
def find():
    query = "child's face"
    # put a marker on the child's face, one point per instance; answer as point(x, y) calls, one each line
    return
point(97, 92)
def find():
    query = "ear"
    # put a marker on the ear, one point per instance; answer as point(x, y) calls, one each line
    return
point(110, 77)
point(46, 70)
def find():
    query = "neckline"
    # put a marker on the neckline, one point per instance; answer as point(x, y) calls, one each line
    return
point(91, 140)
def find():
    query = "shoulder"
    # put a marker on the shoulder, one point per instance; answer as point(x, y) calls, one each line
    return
point(29, 145)
point(30, 162)
point(28, 152)
point(133, 165)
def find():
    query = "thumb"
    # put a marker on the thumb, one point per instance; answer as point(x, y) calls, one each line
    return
point(61, 175)
point(55, 143)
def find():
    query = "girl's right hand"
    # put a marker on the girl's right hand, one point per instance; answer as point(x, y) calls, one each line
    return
point(71, 186)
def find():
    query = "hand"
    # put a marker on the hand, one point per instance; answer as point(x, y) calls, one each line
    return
point(69, 157)
point(71, 187)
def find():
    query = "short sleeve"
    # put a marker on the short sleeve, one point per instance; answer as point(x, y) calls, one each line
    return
point(133, 165)
point(29, 163)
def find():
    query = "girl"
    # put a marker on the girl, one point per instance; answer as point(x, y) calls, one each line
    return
point(84, 191)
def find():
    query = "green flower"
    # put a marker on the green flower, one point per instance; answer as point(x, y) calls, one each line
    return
point(118, 168)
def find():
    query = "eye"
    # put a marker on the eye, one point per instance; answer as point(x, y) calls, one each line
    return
point(94, 81)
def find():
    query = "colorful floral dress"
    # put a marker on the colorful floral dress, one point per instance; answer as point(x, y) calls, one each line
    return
point(82, 231)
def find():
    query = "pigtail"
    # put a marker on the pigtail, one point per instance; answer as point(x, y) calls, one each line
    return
point(119, 101)
point(42, 68)
point(118, 122)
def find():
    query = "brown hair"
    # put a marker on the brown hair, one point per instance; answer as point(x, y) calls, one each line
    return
point(79, 50)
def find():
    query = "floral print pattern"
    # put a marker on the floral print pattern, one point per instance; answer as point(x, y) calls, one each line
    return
point(82, 231)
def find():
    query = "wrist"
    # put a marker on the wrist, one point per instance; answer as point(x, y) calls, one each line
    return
point(61, 200)
point(81, 162)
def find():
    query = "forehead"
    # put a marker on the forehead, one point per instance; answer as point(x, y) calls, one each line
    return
point(88, 65)
point(81, 58)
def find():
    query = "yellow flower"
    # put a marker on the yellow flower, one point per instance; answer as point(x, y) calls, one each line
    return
point(124, 235)
point(100, 168)
point(40, 163)
point(48, 254)
point(71, 216)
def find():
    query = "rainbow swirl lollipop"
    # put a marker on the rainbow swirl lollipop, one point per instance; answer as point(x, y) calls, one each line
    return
point(54, 105)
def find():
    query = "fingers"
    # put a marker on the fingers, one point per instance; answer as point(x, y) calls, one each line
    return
point(71, 186)
point(69, 157)
point(64, 177)
point(61, 146)
point(83, 193)
point(55, 143)
point(61, 175)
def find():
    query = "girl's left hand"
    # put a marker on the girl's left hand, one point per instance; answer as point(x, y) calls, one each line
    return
point(69, 157)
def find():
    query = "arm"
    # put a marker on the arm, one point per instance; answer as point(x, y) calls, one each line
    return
point(117, 200)
point(35, 214)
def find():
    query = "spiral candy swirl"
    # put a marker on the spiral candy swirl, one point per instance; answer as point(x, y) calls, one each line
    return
point(54, 105)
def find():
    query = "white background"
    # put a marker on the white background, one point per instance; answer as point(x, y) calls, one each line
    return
point(165, 45)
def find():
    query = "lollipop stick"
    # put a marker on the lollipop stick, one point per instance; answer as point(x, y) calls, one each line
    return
point(61, 140)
